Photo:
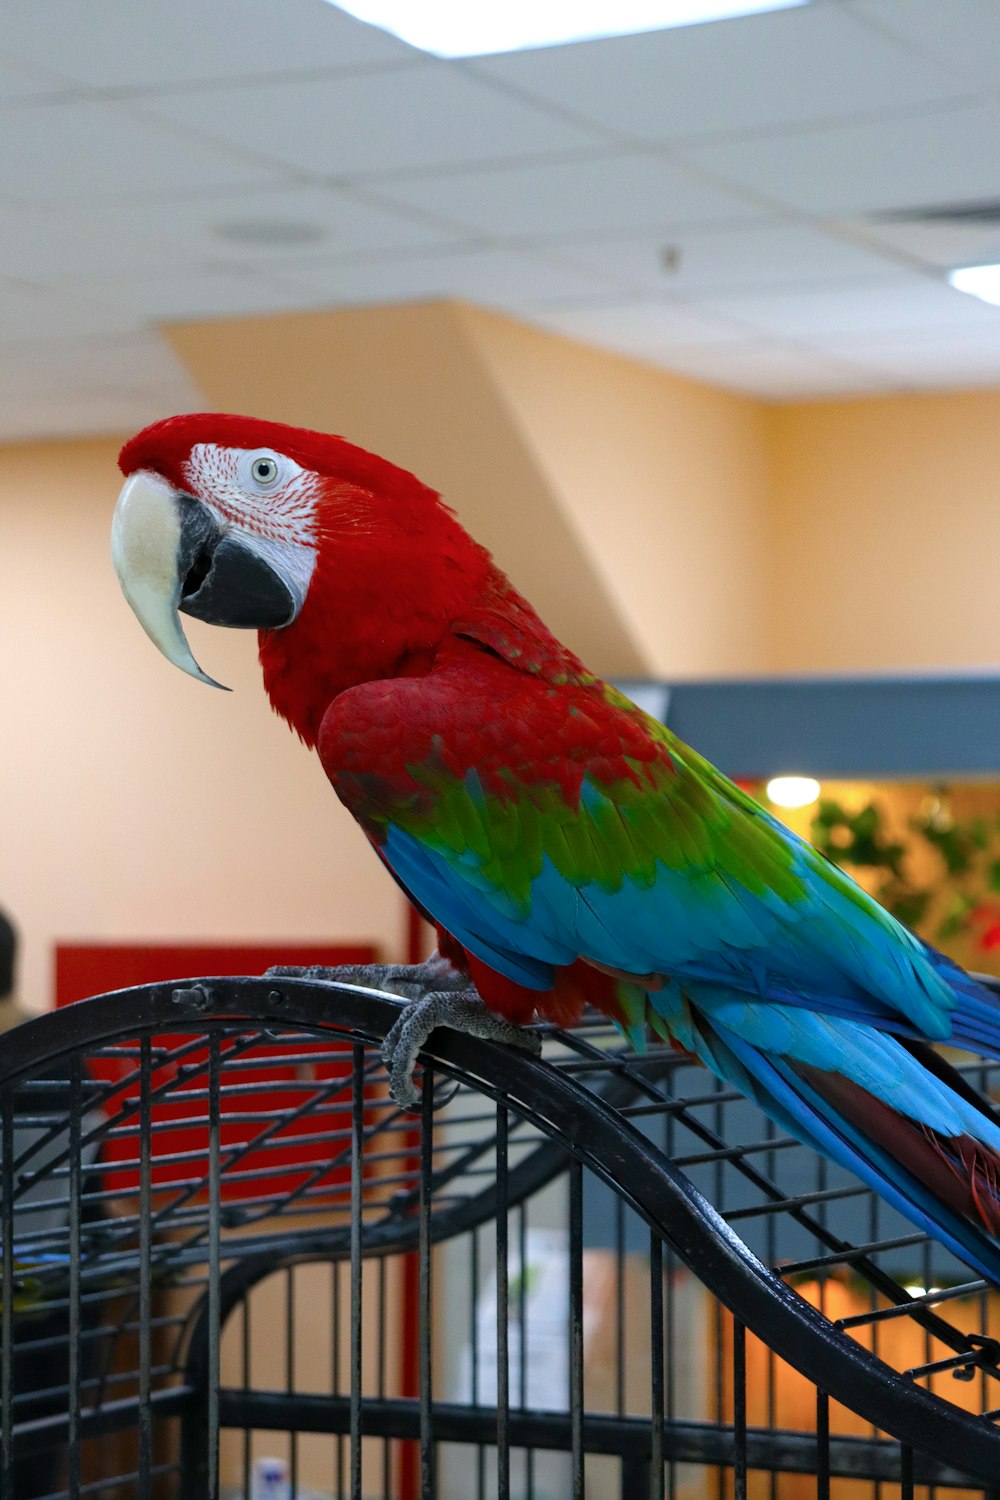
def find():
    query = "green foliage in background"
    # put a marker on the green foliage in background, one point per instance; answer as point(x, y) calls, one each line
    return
point(966, 854)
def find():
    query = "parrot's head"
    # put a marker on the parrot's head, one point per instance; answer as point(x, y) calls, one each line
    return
point(344, 563)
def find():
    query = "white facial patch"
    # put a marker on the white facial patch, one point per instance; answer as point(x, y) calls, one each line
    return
point(274, 514)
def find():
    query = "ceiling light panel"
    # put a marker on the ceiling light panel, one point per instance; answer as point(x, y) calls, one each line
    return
point(979, 281)
point(454, 28)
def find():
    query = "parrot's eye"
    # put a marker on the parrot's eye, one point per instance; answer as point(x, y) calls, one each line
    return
point(264, 469)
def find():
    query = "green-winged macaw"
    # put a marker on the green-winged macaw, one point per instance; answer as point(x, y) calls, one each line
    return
point(569, 847)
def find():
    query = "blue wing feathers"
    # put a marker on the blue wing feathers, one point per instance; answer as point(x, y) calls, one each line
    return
point(702, 930)
point(525, 957)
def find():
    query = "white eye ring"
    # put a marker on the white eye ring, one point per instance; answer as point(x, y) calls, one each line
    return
point(264, 469)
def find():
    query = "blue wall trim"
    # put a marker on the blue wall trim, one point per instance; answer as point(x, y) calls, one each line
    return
point(901, 727)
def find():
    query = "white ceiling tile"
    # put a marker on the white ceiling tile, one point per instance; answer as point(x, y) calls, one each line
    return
point(140, 362)
point(774, 255)
point(84, 151)
point(960, 33)
point(775, 372)
point(933, 157)
point(935, 243)
point(622, 191)
point(125, 44)
point(943, 359)
point(105, 238)
point(863, 309)
point(157, 400)
point(111, 208)
point(495, 278)
point(81, 411)
point(218, 291)
point(19, 81)
point(789, 67)
point(427, 116)
point(643, 329)
point(937, 375)
point(28, 312)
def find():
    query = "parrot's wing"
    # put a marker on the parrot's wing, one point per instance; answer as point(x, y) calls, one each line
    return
point(785, 985)
point(656, 865)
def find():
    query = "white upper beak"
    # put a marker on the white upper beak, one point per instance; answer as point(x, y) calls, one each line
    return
point(145, 548)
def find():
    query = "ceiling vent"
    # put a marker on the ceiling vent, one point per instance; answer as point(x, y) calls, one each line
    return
point(983, 212)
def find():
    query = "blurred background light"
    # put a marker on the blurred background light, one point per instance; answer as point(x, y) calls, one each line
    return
point(979, 281)
point(792, 791)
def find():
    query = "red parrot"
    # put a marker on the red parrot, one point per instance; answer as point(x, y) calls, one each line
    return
point(569, 847)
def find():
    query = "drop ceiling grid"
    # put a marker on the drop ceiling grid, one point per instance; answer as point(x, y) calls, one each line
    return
point(705, 198)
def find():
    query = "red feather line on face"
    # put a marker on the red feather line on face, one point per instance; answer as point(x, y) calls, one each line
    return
point(165, 447)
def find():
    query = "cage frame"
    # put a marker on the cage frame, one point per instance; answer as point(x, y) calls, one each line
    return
point(580, 1126)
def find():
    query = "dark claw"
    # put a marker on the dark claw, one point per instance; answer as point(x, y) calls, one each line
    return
point(460, 1011)
point(439, 996)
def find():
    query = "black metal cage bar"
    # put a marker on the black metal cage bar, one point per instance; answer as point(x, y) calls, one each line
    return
point(599, 1274)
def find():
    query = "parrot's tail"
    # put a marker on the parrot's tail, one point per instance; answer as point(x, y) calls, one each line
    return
point(889, 1109)
point(948, 1185)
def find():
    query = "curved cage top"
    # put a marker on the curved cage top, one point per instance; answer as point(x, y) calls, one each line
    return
point(184, 1139)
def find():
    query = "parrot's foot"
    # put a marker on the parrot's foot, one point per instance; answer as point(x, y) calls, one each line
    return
point(408, 981)
point(460, 1010)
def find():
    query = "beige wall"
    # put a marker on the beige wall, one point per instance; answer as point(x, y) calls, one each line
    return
point(666, 484)
point(885, 523)
point(135, 802)
point(661, 526)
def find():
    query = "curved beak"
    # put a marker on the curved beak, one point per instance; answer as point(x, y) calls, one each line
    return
point(172, 555)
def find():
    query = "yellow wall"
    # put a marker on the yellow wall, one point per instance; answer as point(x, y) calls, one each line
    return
point(664, 480)
point(885, 524)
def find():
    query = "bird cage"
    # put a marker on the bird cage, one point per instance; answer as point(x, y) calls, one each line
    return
point(233, 1267)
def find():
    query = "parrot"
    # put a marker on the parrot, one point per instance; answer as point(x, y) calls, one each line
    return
point(570, 849)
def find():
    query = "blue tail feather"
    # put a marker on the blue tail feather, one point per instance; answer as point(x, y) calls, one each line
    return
point(789, 1099)
point(898, 1118)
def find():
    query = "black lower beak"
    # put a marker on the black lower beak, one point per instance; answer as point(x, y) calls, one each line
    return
point(223, 581)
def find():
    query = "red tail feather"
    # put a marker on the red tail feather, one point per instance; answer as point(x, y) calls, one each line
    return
point(959, 1170)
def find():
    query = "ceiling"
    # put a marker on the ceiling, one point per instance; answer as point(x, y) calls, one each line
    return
point(742, 202)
